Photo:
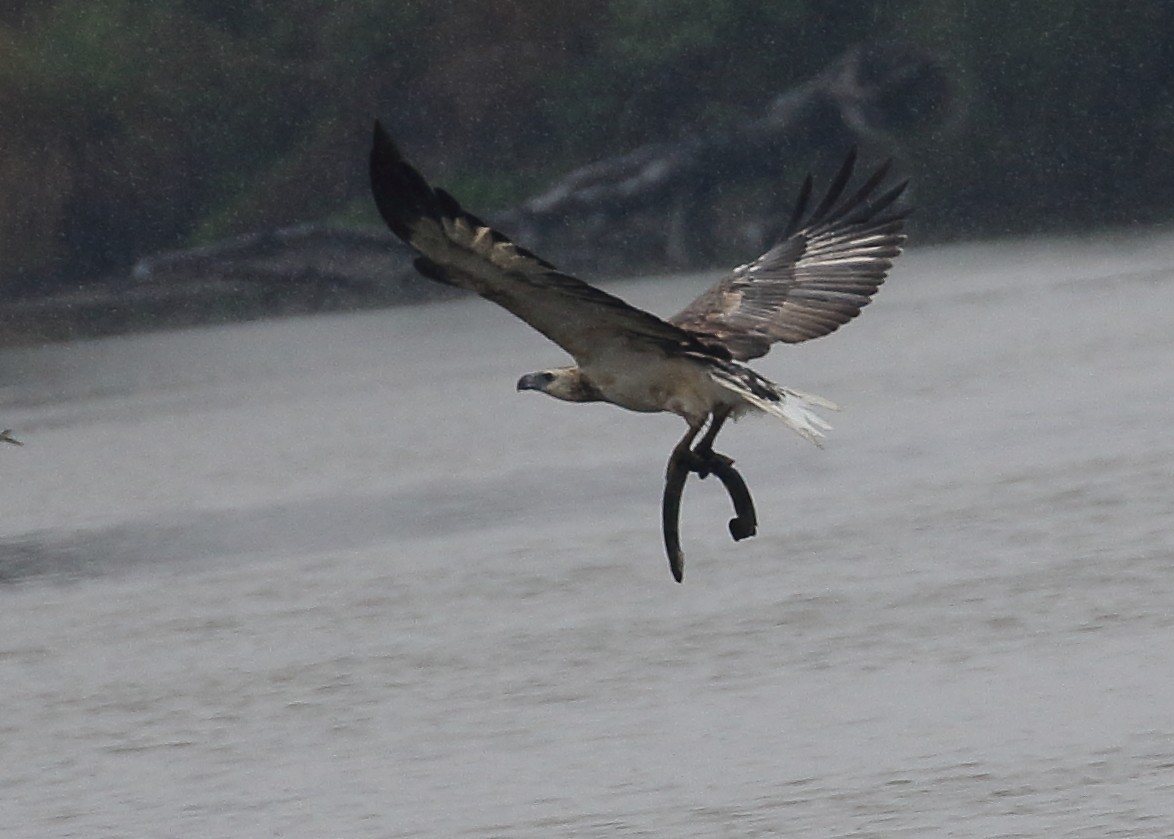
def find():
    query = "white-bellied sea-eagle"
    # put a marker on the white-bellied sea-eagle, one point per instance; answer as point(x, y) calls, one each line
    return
point(825, 268)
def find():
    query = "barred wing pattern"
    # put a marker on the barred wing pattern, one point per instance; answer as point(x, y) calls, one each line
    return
point(459, 249)
point(825, 269)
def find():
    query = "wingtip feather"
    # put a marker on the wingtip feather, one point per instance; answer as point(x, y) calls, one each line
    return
point(402, 195)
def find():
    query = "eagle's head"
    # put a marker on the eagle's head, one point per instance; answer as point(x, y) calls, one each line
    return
point(567, 383)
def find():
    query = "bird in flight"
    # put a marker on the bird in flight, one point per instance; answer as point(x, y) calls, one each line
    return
point(826, 267)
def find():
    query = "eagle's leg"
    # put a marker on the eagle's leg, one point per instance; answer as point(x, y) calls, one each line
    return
point(680, 464)
point(704, 457)
point(683, 449)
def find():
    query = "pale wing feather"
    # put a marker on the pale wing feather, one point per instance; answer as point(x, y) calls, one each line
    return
point(824, 271)
point(457, 248)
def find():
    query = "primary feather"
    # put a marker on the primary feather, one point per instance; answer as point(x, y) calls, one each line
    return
point(459, 249)
point(825, 269)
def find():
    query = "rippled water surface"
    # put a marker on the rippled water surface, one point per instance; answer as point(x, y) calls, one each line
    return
point(334, 577)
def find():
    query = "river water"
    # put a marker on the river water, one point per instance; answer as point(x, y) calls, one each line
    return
point(334, 577)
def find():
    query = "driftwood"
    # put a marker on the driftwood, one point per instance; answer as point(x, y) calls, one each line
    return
point(332, 267)
point(658, 206)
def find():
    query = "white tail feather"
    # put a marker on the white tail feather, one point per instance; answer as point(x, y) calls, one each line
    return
point(795, 408)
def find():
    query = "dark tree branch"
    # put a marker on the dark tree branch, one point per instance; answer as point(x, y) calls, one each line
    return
point(681, 463)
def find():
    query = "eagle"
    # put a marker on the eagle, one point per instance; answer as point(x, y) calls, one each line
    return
point(824, 269)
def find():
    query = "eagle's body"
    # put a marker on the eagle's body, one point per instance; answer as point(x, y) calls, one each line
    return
point(643, 379)
point(691, 385)
point(650, 381)
point(819, 276)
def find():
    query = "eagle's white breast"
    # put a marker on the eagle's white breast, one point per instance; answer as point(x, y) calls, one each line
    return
point(647, 380)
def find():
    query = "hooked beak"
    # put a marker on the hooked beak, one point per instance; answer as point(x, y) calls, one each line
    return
point(534, 381)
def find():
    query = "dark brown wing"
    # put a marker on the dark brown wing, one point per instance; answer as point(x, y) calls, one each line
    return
point(817, 278)
point(459, 249)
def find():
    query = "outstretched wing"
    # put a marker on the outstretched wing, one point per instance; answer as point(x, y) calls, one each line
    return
point(459, 249)
point(817, 278)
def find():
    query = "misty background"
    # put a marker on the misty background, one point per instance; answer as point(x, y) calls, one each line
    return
point(132, 128)
point(332, 576)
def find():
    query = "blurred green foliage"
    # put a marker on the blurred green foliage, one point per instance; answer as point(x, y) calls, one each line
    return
point(138, 125)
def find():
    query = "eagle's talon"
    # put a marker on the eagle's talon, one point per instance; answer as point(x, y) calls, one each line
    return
point(696, 464)
point(705, 461)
